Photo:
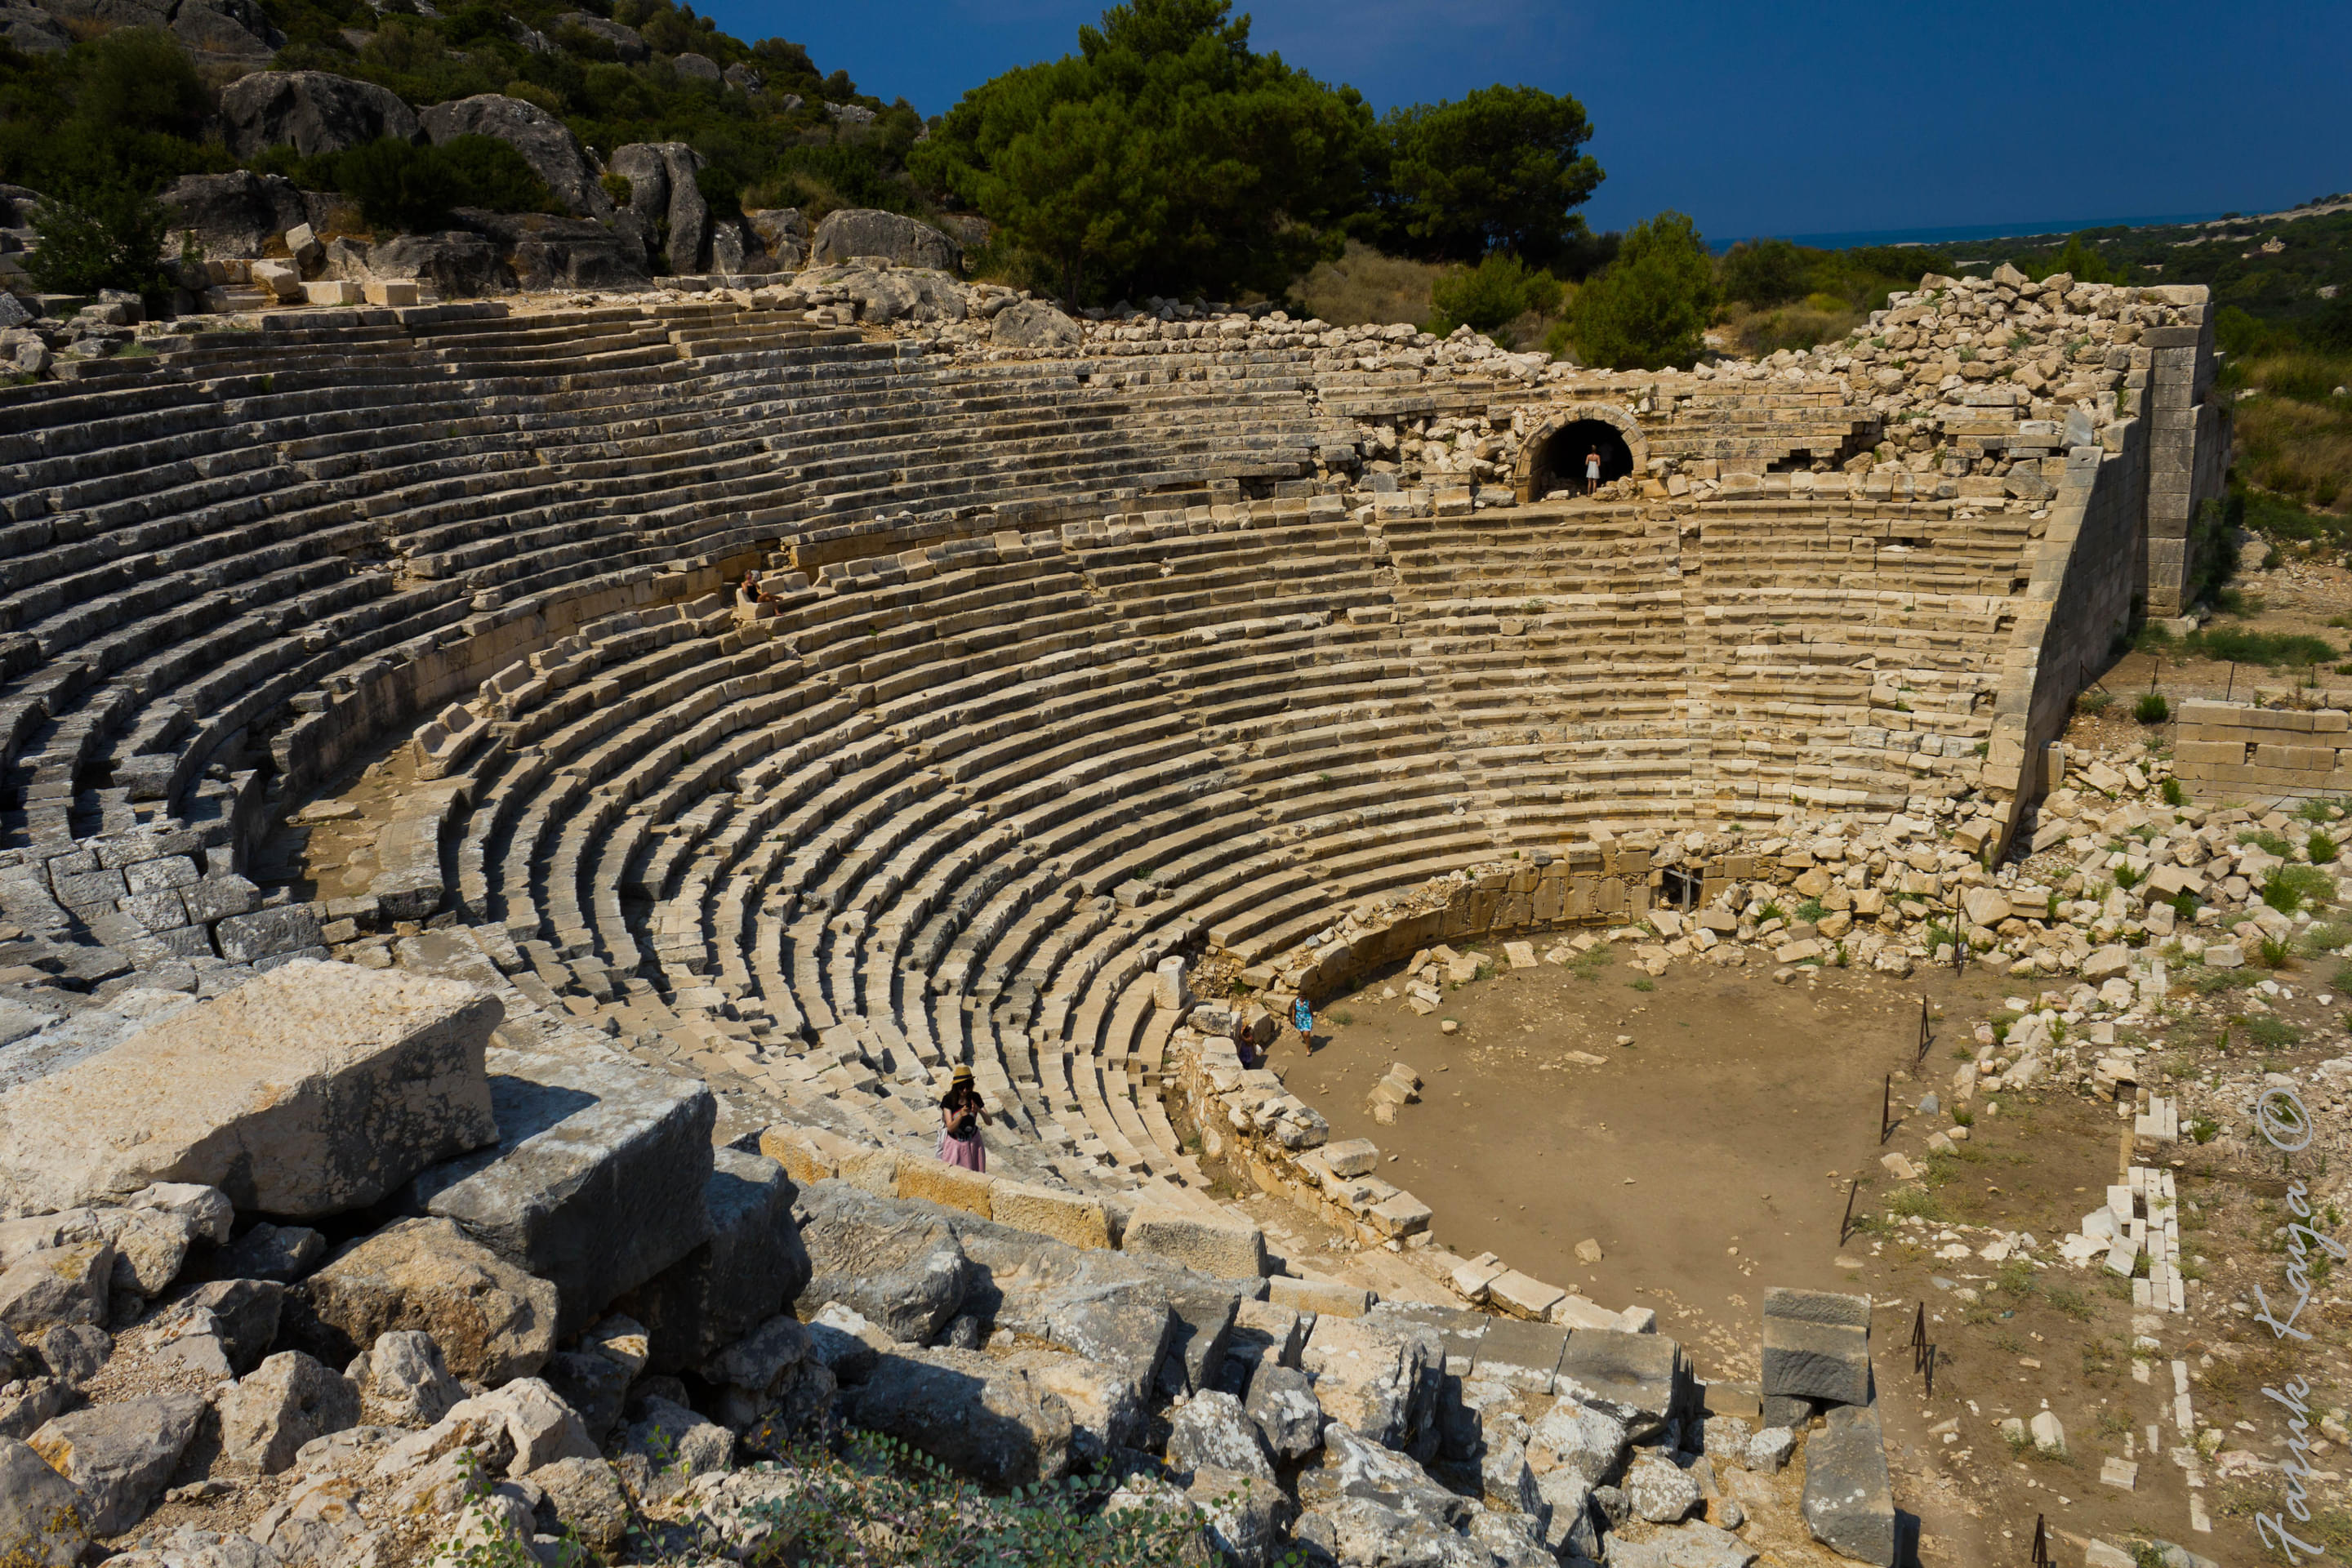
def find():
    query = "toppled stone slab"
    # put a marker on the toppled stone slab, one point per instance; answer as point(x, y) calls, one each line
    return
point(492, 1321)
point(120, 1456)
point(752, 1266)
point(1228, 1248)
point(596, 1182)
point(979, 1416)
point(1644, 1380)
point(1849, 1502)
point(309, 1090)
point(282, 1405)
point(894, 1265)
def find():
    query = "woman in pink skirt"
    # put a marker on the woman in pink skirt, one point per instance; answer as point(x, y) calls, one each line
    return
point(959, 1115)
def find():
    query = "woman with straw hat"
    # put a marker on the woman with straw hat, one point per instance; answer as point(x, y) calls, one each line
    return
point(959, 1115)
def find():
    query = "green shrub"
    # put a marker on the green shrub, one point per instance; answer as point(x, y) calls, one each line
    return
point(399, 186)
point(2288, 888)
point(2273, 952)
point(2320, 847)
point(2126, 879)
point(1648, 308)
point(2173, 795)
point(110, 237)
point(2151, 708)
point(2095, 701)
point(1500, 289)
point(2236, 644)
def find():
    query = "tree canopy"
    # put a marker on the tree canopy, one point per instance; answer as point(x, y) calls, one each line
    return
point(1166, 157)
point(1648, 308)
point(1501, 169)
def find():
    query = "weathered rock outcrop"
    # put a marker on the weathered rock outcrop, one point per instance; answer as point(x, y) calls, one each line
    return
point(667, 206)
point(235, 214)
point(752, 1266)
point(311, 1091)
point(545, 143)
point(866, 231)
point(1032, 324)
point(313, 111)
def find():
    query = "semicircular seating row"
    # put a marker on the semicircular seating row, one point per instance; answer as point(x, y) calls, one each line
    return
point(194, 540)
point(954, 805)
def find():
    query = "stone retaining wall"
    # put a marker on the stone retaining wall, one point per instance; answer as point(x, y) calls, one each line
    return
point(2237, 750)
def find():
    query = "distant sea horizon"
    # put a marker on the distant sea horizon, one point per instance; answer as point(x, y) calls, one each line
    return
point(1960, 234)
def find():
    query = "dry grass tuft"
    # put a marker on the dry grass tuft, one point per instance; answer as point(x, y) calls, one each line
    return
point(1365, 288)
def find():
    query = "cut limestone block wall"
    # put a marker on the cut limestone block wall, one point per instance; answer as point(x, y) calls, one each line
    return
point(2234, 751)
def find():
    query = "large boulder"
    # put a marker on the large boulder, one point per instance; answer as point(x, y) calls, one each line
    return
point(492, 1321)
point(278, 1406)
point(1282, 1402)
point(983, 1418)
point(866, 231)
point(403, 1381)
point(309, 1090)
point(540, 252)
point(57, 1284)
point(1690, 1545)
point(315, 112)
point(233, 214)
point(1213, 1431)
point(1380, 1382)
point(237, 27)
point(596, 1181)
point(1849, 1502)
point(782, 232)
point(121, 1456)
point(42, 1524)
point(606, 37)
point(1032, 324)
point(664, 200)
point(752, 1266)
point(892, 1263)
point(545, 144)
point(27, 27)
point(459, 265)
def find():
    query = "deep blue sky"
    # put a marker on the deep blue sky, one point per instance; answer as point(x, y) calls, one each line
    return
point(1789, 119)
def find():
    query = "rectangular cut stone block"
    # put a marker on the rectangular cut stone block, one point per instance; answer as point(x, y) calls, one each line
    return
point(1524, 1355)
point(1318, 1296)
point(391, 291)
point(1230, 1249)
point(1642, 1379)
point(1069, 1217)
point(1818, 1305)
point(1849, 1497)
point(1814, 1360)
point(1352, 1156)
point(951, 1186)
point(597, 1181)
point(312, 1089)
point(1527, 1298)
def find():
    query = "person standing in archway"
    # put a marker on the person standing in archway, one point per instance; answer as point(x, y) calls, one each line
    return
point(1592, 470)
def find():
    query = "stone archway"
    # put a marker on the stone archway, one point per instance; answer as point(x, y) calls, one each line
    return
point(1540, 468)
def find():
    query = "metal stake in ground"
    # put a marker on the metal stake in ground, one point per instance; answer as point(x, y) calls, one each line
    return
point(2040, 1542)
point(1886, 1108)
point(1845, 1226)
point(1926, 1036)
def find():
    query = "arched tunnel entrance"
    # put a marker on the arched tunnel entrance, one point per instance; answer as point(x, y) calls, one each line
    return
point(1559, 464)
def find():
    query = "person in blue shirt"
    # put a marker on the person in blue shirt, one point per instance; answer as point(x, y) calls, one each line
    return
point(1302, 1018)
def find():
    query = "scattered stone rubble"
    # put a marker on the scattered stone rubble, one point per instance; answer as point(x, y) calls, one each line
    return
point(433, 1385)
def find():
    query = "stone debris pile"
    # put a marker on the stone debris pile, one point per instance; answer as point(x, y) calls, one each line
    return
point(522, 1345)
